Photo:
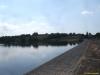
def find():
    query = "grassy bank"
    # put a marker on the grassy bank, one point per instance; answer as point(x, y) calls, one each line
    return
point(90, 62)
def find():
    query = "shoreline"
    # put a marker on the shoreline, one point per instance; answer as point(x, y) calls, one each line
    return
point(64, 64)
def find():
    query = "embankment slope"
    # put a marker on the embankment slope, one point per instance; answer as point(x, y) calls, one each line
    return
point(63, 64)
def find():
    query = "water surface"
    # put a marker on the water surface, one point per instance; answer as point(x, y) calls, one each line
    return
point(17, 60)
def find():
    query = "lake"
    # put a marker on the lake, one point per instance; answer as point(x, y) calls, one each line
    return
point(17, 60)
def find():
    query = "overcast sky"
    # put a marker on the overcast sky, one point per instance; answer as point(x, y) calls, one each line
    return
point(48, 16)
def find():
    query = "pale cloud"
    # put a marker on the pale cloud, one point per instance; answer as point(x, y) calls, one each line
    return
point(86, 12)
point(7, 28)
point(25, 28)
point(2, 6)
point(35, 26)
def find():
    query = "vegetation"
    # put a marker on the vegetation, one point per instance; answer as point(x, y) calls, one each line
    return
point(90, 64)
point(53, 38)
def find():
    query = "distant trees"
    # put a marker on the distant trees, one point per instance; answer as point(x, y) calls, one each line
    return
point(53, 38)
point(97, 35)
point(88, 35)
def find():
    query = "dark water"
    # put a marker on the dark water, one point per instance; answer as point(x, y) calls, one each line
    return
point(15, 60)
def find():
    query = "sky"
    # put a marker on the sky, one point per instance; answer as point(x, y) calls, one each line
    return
point(49, 16)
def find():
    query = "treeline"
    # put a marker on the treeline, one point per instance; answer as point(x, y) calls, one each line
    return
point(53, 38)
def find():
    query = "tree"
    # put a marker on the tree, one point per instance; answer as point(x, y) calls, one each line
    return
point(35, 34)
point(97, 35)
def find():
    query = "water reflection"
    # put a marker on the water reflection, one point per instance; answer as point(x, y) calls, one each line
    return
point(16, 60)
point(36, 45)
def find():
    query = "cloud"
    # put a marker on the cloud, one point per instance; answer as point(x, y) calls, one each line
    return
point(86, 12)
point(25, 28)
point(2, 6)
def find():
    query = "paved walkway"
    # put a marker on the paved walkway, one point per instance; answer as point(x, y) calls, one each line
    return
point(63, 64)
